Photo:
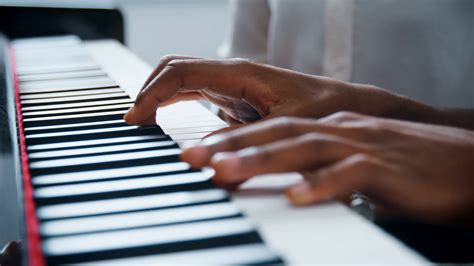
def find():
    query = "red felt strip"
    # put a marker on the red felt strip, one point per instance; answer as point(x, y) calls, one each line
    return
point(35, 254)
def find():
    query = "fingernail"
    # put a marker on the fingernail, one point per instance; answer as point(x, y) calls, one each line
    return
point(300, 194)
point(197, 156)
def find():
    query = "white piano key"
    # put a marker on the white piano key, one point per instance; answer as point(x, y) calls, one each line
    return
point(66, 245)
point(79, 86)
point(91, 142)
point(178, 121)
point(113, 148)
point(64, 82)
point(137, 219)
point(81, 109)
point(69, 93)
point(76, 110)
point(231, 255)
point(190, 124)
point(58, 107)
point(104, 158)
point(119, 121)
point(74, 98)
point(80, 132)
point(109, 173)
point(74, 116)
point(66, 75)
point(181, 137)
point(181, 131)
point(120, 185)
point(59, 61)
point(58, 68)
point(47, 55)
point(41, 42)
point(98, 207)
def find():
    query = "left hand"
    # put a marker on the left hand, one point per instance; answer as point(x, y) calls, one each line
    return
point(419, 170)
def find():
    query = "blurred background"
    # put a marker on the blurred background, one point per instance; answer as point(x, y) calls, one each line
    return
point(154, 28)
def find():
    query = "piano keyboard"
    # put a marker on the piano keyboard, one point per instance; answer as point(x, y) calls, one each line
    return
point(106, 192)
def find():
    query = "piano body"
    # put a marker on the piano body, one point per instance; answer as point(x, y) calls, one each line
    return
point(94, 190)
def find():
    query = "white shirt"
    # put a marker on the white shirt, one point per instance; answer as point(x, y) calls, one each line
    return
point(420, 48)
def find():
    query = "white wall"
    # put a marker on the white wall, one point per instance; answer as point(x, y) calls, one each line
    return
point(155, 28)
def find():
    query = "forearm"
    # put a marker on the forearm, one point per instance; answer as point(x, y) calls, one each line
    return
point(418, 112)
point(383, 103)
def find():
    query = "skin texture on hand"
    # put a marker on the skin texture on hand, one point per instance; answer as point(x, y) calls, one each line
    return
point(410, 169)
point(248, 91)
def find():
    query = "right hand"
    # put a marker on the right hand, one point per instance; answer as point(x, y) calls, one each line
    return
point(248, 91)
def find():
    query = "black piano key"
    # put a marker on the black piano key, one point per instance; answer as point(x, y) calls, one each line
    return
point(33, 157)
point(73, 111)
point(139, 219)
point(75, 106)
point(117, 178)
point(77, 88)
point(246, 254)
point(117, 123)
point(131, 204)
point(72, 100)
point(140, 131)
point(68, 68)
point(96, 143)
point(99, 166)
point(65, 85)
point(123, 172)
point(150, 190)
point(51, 95)
point(59, 76)
point(223, 241)
point(73, 120)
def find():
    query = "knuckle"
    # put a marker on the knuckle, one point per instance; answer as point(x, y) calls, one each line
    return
point(231, 142)
point(175, 63)
point(241, 61)
point(362, 163)
point(289, 125)
point(342, 116)
point(264, 156)
point(313, 141)
point(167, 58)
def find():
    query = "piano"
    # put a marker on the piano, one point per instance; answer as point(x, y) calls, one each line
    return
point(95, 190)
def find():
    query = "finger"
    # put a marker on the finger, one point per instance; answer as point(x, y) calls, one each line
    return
point(308, 175)
point(182, 97)
point(162, 64)
point(357, 172)
point(256, 134)
point(288, 155)
point(225, 77)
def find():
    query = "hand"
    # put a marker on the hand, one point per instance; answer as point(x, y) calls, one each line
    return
point(249, 91)
point(418, 170)
point(10, 254)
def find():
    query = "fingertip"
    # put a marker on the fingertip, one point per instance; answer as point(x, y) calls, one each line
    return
point(227, 166)
point(197, 156)
point(130, 115)
point(300, 195)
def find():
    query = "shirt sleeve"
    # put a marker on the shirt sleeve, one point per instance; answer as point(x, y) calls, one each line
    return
point(247, 30)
